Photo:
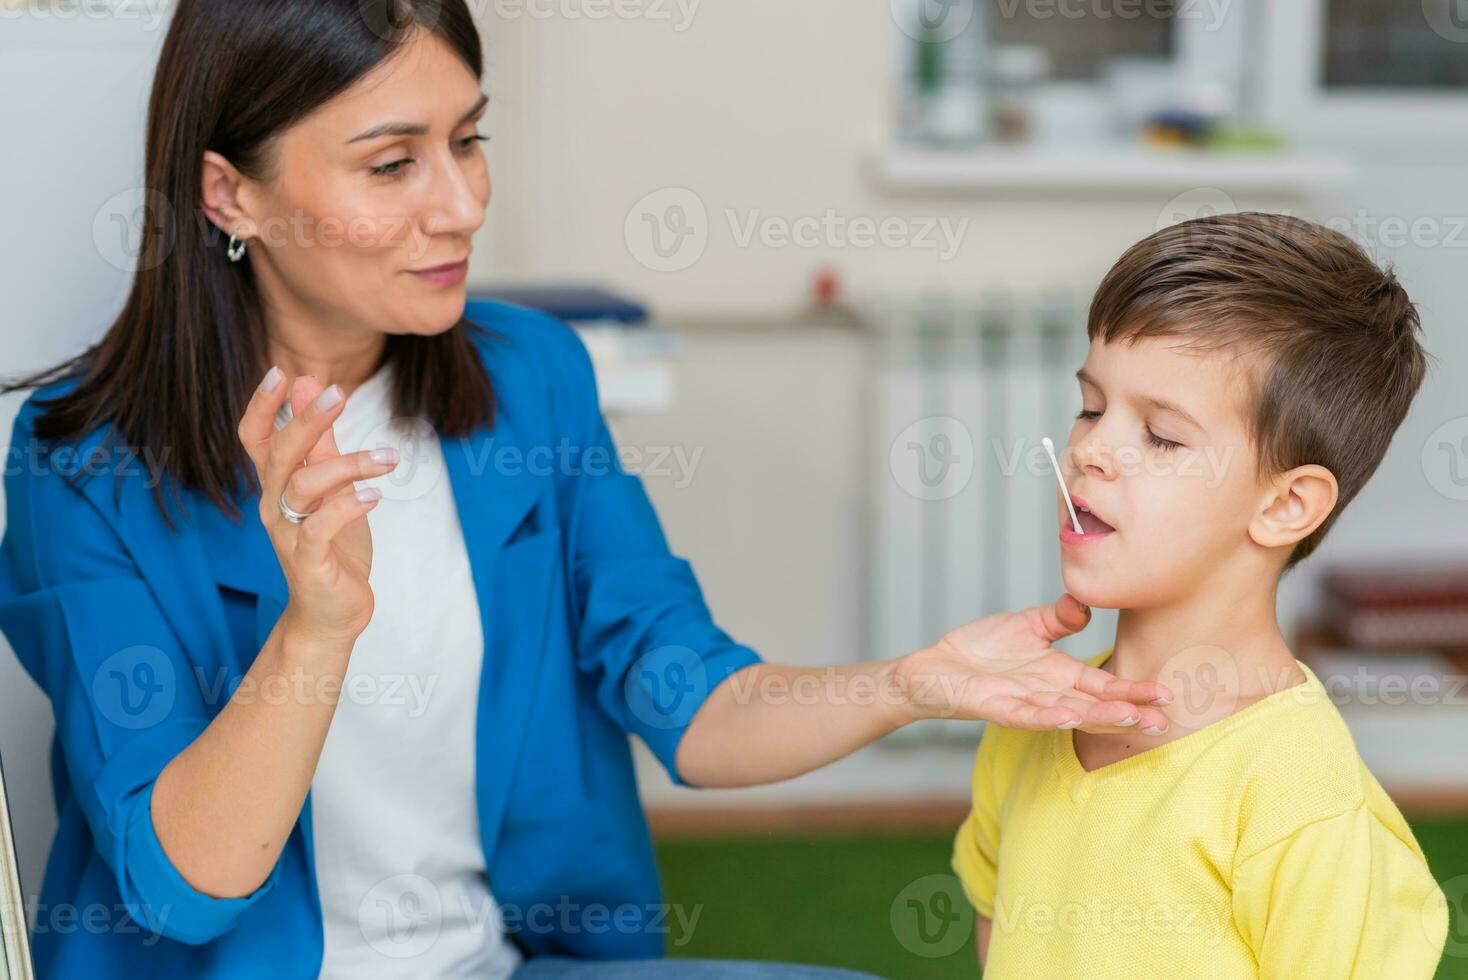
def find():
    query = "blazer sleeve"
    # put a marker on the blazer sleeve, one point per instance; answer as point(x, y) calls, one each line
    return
point(88, 629)
point(643, 632)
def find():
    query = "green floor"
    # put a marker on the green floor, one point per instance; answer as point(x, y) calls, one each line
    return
point(831, 901)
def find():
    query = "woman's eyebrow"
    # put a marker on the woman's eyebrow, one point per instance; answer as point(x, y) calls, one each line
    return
point(414, 129)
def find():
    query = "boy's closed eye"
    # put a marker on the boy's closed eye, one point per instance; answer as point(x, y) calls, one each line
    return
point(1166, 445)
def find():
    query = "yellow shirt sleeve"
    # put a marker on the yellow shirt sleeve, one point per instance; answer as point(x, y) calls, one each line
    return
point(976, 847)
point(1342, 897)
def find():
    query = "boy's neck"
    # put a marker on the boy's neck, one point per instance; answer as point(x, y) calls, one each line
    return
point(1218, 634)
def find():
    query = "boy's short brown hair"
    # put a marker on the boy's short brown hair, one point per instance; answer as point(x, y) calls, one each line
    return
point(1341, 361)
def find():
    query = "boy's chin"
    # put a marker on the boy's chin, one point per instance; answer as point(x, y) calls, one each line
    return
point(1102, 588)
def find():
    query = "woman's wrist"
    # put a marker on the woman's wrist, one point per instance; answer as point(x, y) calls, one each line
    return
point(303, 646)
point(932, 685)
point(917, 687)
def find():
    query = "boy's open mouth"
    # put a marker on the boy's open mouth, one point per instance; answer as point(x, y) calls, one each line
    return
point(1091, 523)
point(1092, 526)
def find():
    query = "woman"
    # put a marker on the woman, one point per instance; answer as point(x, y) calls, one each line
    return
point(303, 729)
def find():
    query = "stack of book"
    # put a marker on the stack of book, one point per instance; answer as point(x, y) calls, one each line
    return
point(1404, 607)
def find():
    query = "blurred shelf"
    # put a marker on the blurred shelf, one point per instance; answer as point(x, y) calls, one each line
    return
point(634, 373)
point(1102, 168)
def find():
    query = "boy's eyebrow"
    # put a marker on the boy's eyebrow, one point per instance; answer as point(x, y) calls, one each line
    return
point(1161, 404)
point(414, 129)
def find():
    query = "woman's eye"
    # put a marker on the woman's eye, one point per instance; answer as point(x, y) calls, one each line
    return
point(468, 141)
point(1159, 442)
point(393, 169)
point(1087, 415)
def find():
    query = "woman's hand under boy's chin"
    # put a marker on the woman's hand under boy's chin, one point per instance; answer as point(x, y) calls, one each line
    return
point(1002, 669)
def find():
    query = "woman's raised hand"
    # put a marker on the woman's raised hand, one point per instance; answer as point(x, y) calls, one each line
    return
point(327, 557)
point(1001, 669)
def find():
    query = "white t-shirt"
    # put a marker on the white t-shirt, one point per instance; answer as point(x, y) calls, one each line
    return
point(399, 863)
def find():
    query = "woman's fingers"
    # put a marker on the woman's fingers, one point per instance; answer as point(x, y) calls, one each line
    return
point(318, 531)
point(1013, 712)
point(1108, 687)
point(1102, 716)
point(1116, 716)
point(257, 425)
point(307, 392)
point(290, 447)
point(327, 477)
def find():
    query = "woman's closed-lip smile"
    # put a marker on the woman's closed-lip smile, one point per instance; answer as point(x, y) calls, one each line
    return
point(444, 275)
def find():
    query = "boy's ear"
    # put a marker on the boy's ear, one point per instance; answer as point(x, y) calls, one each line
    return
point(1295, 504)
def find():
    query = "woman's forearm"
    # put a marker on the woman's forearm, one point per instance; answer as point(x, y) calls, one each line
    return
point(224, 807)
point(768, 722)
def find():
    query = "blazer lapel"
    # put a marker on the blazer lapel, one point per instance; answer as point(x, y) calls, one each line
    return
point(495, 493)
point(240, 556)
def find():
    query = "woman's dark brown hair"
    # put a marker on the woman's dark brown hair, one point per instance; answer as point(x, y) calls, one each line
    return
point(176, 368)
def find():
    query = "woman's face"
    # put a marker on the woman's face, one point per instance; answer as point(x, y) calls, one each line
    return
point(385, 180)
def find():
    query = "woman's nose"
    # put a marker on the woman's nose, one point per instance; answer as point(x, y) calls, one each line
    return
point(454, 207)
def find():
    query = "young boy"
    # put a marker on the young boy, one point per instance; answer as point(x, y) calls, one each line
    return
point(1245, 375)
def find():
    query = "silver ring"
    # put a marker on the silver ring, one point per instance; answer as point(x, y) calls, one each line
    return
point(294, 516)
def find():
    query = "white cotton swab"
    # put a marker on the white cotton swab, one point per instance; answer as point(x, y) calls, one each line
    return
point(1064, 490)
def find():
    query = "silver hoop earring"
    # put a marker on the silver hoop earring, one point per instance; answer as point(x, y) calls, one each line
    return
point(236, 249)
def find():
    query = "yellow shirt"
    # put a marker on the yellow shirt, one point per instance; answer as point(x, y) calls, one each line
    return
point(1259, 845)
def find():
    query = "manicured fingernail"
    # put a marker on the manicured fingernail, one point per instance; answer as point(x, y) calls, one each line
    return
point(1161, 701)
point(385, 455)
point(328, 399)
point(369, 494)
point(1128, 722)
point(272, 379)
point(1069, 724)
point(1152, 730)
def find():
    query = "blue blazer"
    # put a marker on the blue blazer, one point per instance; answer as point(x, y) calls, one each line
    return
point(592, 630)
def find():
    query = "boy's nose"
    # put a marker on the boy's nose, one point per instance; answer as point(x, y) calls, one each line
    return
point(1096, 459)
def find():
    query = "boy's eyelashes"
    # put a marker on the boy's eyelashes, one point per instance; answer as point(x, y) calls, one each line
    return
point(1166, 445)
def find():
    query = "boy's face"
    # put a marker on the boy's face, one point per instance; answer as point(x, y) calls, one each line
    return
point(1161, 453)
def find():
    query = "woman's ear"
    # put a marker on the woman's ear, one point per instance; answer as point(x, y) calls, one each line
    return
point(223, 196)
point(1297, 502)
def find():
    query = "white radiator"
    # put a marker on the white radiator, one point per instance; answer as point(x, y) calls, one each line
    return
point(963, 508)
